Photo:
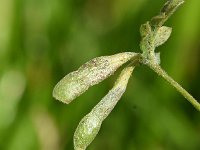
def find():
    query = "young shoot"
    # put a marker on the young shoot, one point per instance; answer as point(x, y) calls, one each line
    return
point(153, 34)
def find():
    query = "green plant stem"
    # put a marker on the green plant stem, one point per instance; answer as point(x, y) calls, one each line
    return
point(178, 87)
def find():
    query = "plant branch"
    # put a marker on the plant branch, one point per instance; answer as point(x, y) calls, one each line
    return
point(177, 86)
point(168, 9)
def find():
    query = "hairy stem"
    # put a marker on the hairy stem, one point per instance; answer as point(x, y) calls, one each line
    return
point(178, 87)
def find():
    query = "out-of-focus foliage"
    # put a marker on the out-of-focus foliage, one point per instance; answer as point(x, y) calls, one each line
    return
point(41, 41)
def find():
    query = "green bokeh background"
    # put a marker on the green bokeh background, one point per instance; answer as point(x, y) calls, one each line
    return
point(43, 40)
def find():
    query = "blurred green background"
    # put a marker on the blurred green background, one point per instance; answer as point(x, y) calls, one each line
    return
point(43, 40)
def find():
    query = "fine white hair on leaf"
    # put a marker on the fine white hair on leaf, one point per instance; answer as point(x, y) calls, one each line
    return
point(90, 125)
point(89, 74)
point(162, 35)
